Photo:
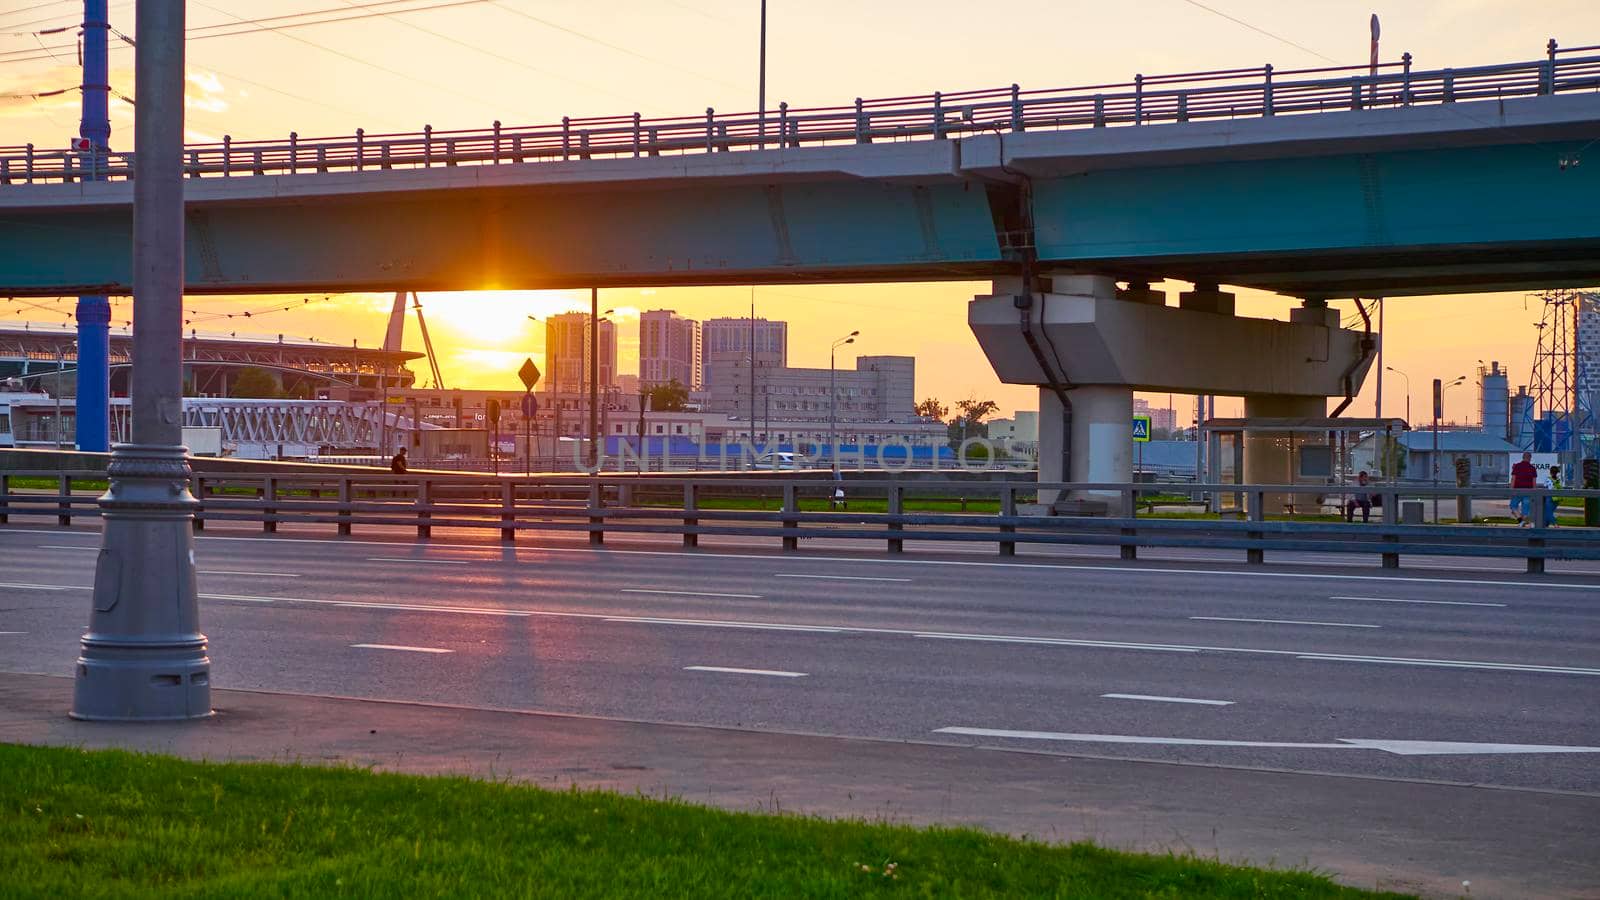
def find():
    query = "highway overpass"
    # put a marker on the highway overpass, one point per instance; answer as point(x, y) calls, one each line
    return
point(1320, 184)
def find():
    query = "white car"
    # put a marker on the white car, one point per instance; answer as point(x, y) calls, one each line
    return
point(775, 461)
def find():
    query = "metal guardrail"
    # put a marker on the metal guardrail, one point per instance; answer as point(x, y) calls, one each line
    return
point(665, 504)
point(1226, 94)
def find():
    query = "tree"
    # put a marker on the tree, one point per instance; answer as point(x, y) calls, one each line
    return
point(969, 423)
point(669, 397)
point(974, 411)
point(257, 384)
point(931, 408)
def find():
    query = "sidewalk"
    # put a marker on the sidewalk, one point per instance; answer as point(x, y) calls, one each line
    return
point(1394, 835)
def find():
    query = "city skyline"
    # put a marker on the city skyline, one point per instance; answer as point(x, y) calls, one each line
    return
point(325, 79)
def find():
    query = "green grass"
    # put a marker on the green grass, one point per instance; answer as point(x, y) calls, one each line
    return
point(820, 504)
point(108, 823)
point(52, 484)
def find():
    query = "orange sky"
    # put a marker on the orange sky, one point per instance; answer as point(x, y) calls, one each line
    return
point(532, 61)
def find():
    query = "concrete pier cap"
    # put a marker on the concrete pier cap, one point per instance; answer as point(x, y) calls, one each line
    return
point(1103, 343)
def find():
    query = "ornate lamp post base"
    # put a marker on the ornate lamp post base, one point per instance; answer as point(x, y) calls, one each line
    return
point(144, 658)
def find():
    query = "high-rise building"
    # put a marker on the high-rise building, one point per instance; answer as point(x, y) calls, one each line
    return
point(878, 389)
point(725, 344)
point(1162, 418)
point(567, 342)
point(669, 349)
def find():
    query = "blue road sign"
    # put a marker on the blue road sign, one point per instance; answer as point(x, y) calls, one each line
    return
point(1141, 429)
point(530, 405)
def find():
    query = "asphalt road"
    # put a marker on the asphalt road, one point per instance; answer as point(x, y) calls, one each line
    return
point(1309, 666)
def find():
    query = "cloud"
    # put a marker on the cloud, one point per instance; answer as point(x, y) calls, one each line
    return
point(205, 92)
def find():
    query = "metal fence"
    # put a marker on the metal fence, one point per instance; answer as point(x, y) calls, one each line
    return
point(1227, 94)
point(874, 511)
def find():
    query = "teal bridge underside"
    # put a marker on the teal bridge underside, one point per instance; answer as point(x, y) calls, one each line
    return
point(1422, 221)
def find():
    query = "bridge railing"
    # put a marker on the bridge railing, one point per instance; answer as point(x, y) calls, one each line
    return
point(1234, 93)
point(888, 511)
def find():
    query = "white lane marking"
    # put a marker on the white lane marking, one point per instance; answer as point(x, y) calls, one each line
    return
point(68, 547)
point(1399, 748)
point(1156, 699)
point(401, 647)
point(417, 607)
point(1448, 664)
point(1058, 642)
point(1281, 622)
point(992, 638)
point(252, 574)
point(429, 562)
point(790, 560)
point(1297, 654)
point(1431, 602)
point(690, 593)
point(246, 598)
point(773, 672)
point(704, 623)
point(13, 632)
point(837, 577)
point(15, 585)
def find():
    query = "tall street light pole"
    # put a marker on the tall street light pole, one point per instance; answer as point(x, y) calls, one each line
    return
point(752, 419)
point(143, 657)
point(1408, 391)
point(552, 352)
point(833, 402)
point(94, 310)
point(1392, 474)
point(595, 318)
point(761, 94)
point(1439, 387)
point(594, 370)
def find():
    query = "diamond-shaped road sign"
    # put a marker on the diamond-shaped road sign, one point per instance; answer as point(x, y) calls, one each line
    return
point(529, 373)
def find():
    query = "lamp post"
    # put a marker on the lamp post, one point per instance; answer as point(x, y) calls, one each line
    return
point(143, 657)
point(94, 311)
point(555, 393)
point(593, 348)
point(1439, 387)
point(556, 397)
point(644, 400)
point(833, 402)
point(761, 90)
point(1408, 390)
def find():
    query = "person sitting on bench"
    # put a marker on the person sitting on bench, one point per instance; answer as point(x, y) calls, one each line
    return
point(1362, 500)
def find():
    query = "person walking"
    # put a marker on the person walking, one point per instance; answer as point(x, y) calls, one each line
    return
point(398, 464)
point(1524, 477)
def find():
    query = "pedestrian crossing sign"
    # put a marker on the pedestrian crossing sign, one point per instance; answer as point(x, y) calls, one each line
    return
point(1141, 429)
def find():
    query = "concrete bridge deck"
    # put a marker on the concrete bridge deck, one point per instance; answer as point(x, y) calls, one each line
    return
point(1422, 188)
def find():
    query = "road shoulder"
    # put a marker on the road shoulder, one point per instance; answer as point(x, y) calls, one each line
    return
point(1391, 835)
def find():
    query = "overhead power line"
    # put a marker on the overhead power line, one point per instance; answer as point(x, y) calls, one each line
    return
point(271, 23)
point(72, 16)
point(1277, 37)
point(280, 30)
point(22, 9)
point(607, 44)
point(479, 49)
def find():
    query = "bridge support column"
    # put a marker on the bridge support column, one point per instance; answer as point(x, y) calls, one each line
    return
point(1269, 455)
point(1101, 442)
point(1102, 344)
